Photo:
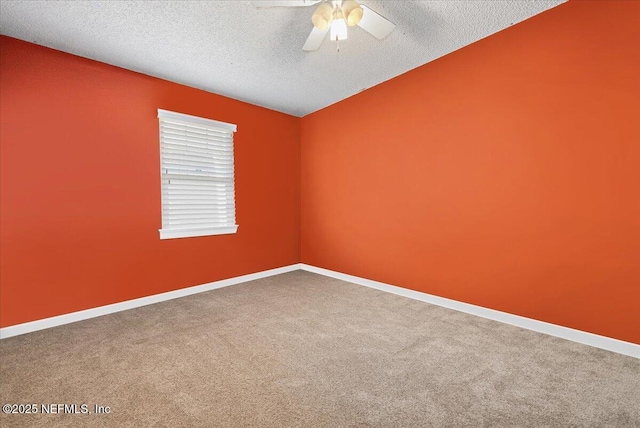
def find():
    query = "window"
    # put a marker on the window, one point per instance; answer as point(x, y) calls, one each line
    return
point(196, 162)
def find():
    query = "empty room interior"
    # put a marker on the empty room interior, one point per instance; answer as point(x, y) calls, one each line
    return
point(310, 213)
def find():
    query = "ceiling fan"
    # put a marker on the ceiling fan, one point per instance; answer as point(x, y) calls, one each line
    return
point(334, 17)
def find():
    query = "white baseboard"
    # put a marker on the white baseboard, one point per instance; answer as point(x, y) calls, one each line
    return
point(42, 324)
point(603, 342)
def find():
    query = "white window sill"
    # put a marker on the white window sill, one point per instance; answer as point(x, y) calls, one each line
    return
point(201, 231)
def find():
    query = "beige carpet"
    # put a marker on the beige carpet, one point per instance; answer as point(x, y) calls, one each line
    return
point(302, 350)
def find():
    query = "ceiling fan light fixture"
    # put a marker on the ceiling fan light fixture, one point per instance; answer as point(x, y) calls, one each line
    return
point(338, 29)
point(323, 16)
point(352, 12)
point(338, 25)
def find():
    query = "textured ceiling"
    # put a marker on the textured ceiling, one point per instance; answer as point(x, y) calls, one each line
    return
point(255, 55)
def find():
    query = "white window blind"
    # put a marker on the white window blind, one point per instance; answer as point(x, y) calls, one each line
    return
point(198, 195)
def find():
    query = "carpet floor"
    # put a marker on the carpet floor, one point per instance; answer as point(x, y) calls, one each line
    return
point(304, 350)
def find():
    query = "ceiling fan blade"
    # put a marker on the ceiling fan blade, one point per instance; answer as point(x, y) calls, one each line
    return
point(315, 39)
point(284, 3)
point(374, 24)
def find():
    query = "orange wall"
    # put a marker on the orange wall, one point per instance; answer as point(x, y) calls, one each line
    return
point(80, 186)
point(506, 174)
